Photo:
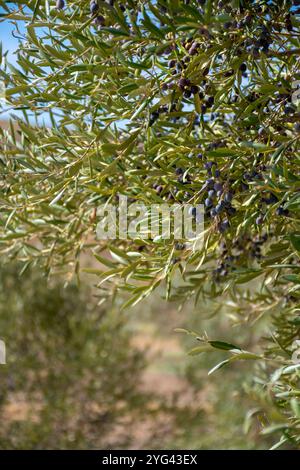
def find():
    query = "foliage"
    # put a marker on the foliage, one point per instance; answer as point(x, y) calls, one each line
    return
point(164, 101)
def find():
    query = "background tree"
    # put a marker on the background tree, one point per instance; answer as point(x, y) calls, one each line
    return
point(186, 101)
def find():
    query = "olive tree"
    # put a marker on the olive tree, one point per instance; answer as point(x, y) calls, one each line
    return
point(165, 101)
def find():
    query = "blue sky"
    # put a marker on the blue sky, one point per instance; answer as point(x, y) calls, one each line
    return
point(10, 44)
point(8, 41)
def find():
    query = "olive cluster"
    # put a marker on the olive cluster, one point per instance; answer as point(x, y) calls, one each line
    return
point(99, 20)
point(161, 110)
point(218, 197)
point(267, 198)
point(184, 84)
point(231, 256)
